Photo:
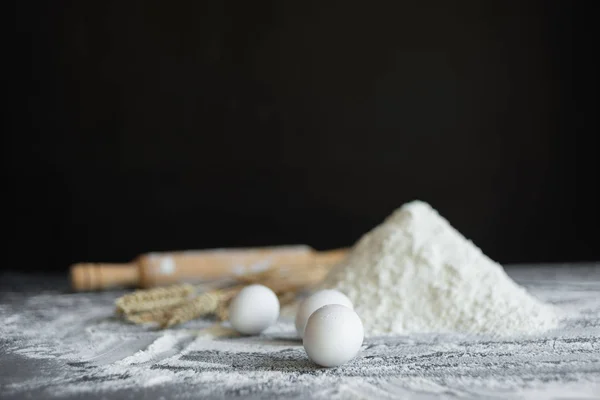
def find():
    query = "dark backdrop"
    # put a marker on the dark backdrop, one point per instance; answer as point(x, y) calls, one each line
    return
point(139, 126)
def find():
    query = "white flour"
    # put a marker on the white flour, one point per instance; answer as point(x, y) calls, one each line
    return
point(416, 273)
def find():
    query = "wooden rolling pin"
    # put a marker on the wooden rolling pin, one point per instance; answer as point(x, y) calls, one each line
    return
point(160, 269)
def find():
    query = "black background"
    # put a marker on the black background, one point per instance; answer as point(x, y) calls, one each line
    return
point(144, 126)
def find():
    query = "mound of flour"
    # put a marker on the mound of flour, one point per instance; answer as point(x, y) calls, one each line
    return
point(416, 273)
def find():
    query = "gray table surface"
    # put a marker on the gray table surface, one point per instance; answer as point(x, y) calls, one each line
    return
point(56, 344)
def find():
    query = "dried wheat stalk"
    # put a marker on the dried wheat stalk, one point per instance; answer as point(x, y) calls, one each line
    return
point(203, 305)
point(177, 304)
point(152, 299)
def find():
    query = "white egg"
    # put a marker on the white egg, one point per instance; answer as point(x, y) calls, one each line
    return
point(254, 309)
point(316, 301)
point(333, 335)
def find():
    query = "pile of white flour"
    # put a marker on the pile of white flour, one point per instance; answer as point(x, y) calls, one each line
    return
point(416, 273)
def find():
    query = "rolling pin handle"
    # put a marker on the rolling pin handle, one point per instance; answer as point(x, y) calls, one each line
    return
point(95, 276)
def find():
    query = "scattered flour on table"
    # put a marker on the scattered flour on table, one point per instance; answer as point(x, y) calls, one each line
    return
point(161, 345)
point(71, 345)
point(416, 273)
